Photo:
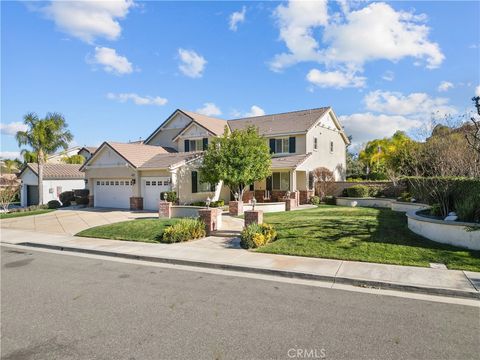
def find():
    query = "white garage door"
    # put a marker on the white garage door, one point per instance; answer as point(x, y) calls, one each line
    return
point(151, 189)
point(113, 193)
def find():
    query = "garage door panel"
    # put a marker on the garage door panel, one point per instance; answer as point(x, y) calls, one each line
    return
point(152, 187)
point(113, 193)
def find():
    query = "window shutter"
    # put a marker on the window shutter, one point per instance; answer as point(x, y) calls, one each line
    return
point(272, 146)
point(269, 183)
point(187, 146)
point(194, 182)
point(213, 187)
point(252, 187)
point(205, 144)
point(291, 144)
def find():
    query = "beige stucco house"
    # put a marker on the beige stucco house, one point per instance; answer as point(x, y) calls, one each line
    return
point(133, 175)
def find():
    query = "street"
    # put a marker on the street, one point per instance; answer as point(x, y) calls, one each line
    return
point(58, 306)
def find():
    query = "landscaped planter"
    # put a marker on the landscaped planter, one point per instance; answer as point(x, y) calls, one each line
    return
point(403, 206)
point(367, 202)
point(182, 211)
point(266, 207)
point(446, 232)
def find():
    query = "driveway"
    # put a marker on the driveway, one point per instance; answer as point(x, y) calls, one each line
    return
point(65, 221)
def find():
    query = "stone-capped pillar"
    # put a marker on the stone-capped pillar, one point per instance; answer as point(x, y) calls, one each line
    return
point(165, 209)
point(209, 217)
point(91, 202)
point(290, 204)
point(136, 203)
point(253, 216)
point(295, 195)
point(235, 208)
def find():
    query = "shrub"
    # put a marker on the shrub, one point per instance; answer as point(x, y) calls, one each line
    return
point(219, 203)
point(66, 198)
point(435, 210)
point(330, 200)
point(358, 191)
point(184, 230)
point(83, 193)
point(81, 200)
point(375, 190)
point(254, 235)
point(171, 196)
point(54, 204)
point(315, 200)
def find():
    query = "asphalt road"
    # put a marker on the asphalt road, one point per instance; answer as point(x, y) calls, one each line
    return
point(58, 306)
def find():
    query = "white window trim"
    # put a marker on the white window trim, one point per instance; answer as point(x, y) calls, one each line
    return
point(287, 139)
point(280, 179)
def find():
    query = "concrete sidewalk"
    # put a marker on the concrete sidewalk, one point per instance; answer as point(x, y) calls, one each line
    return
point(224, 254)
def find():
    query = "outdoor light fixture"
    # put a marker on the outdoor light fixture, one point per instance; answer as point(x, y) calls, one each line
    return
point(236, 196)
point(208, 202)
point(254, 201)
point(165, 196)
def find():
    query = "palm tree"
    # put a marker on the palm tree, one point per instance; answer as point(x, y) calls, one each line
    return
point(28, 156)
point(11, 166)
point(44, 136)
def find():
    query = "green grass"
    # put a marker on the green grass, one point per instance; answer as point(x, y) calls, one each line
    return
point(361, 234)
point(145, 230)
point(25, 213)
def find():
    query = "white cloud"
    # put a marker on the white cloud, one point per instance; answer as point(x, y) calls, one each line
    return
point(335, 79)
point(444, 86)
point(192, 64)
point(209, 109)
point(367, 126)
point(137, 99)
point(12, 128)
point(236, 18)
point(388, 76)
point(88, 20)
point(398, 104)
point(477, 91)
point(255, 110)
point(111, 61)
point(10, 155)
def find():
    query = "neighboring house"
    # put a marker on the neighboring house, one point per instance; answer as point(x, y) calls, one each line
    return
point(57, 178)
point(133, 175)
point(87, 152)
point(58, 157)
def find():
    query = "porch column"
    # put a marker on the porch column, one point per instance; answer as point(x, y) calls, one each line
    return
point(293, 180)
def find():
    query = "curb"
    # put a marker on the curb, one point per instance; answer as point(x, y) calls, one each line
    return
point(282, 273)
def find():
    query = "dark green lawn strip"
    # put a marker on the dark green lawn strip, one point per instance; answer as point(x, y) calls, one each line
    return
point(25, 213)
point(361, 234)
point(145, 230)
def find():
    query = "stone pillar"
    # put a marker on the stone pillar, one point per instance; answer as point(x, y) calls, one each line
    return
point(91, 202)
point(295, 195)
point(165, 209)
point(136, 203)
point(290, 204)
point(209, 217)
point(235, 208)
point(305, 196)
point(253, 216)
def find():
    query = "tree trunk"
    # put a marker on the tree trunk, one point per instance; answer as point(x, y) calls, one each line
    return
point(41, 162)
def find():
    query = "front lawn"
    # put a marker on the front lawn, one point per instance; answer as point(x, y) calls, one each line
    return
point(361, 234)
point(24, 213)
point(145, 230)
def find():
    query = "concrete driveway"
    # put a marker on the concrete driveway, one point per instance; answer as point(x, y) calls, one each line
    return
point(66, 221)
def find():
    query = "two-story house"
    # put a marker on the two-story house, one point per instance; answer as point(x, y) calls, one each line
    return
point(133, 175)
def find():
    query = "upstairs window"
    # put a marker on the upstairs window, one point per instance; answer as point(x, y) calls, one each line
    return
point(315, 143)
point(283, 145)
point(331, 146)
point(196, 145)
point(199, 186)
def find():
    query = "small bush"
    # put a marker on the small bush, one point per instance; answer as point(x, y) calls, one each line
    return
point(315, 200)
point(436, 210)
point(66, 198)
point(219, 203)
point(171, 196)
point(54, 204)
point(330, 200)
point(254, 236)
point(405, 197)
point(358, 191)
point(184, 230)
point(81, 200)
point(83, 193)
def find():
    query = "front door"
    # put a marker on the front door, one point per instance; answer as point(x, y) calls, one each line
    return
point(32, 195)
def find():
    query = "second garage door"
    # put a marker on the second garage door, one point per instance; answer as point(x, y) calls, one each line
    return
point(113, 193)
point(152, 187)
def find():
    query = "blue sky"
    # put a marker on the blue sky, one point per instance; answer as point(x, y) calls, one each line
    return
point(116, 70)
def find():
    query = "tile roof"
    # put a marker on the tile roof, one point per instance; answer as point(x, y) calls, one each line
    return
point(164, 161)
point(290, 122)
point(90, 149)
point(57, 171)
point(289, 161)
point(215, 125)
point(137, 154)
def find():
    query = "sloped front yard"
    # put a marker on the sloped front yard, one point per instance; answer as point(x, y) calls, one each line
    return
point(361, 234)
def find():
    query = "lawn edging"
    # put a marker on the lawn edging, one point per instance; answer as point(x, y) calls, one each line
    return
point(385, 285)
point(11, 215)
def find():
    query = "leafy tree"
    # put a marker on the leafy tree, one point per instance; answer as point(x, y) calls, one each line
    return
point(11, 166)
point(44, 136)
point(74, 159)
point(238, 159)
point(28, 156)
point(355, 167)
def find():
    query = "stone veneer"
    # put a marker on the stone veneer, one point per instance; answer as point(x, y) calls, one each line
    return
point(290, 204)
point(305, 196)
point(136, 203)
point(165, 209)
point(209, 217)
point(253, 216)
point(235, 208)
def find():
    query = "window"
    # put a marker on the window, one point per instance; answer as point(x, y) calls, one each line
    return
point(102, 183)
point(98, 182)
point(281, 181)
point(117, 183)
point(331, 146)
point(315, 143)
point(196, 145)
point(198, 185)
point(281, 146)
point(147, 183)
point(154, 183)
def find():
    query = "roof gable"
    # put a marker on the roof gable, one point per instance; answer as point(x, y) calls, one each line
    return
point(55, 171)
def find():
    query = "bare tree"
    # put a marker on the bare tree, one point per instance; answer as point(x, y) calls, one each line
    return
point(473, 138)
point(324, 181)
point(8, 192)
